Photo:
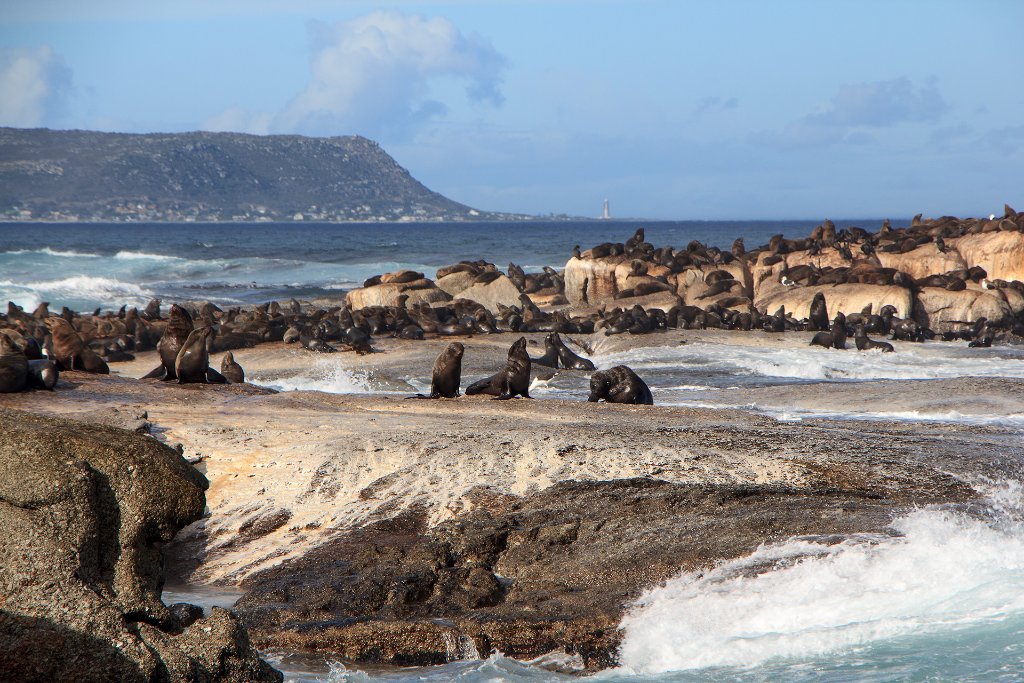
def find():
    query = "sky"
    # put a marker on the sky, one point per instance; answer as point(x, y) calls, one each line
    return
point(669, 109)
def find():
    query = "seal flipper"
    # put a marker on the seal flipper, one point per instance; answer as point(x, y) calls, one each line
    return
point(159, 372)
point(214, 377)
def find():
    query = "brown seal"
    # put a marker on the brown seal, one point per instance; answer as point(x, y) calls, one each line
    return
point(179, 326)
point(231, 370)
point(447, 373)
point(619, 385)
point(192, 366)
point(13, 367)
point(70, 351)
point(43, 374)
point(514, 378)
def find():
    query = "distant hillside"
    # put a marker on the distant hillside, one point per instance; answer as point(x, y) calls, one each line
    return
point(82, 175)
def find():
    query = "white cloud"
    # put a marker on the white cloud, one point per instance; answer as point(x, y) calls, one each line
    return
point(881, 103)
point(34, 85)
point(373, 75)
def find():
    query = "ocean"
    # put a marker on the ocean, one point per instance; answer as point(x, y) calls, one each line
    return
point(941, 597)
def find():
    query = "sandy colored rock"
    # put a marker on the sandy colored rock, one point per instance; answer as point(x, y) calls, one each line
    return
point(455, 283)
point(1001, 253)
point(925, 260)
point(591, 280)
point(501, 290)
point(387, 295)
point(846, 298)
point(935, 306)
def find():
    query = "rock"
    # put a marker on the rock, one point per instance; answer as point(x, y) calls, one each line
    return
point(924, 261)
point(419, 291)
point(1001, 254)
point(935, 306)
point(457, 282)
point(846, 298)
point(554, 570)
point(501, 290)
point(591, 281)
point(84, 510)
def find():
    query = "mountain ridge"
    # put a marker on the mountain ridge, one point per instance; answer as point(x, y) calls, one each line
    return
point(204, 176)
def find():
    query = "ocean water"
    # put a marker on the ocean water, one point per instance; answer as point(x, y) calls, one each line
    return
point(85, 266)
point(939, 597)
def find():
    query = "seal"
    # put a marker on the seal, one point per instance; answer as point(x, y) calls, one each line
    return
point(192, 365)
point(619, 385)
point(13, 367)
point(514, 378)
point(447, 373)
point(836, 339)
point(43, 374)
point(866, 344)
point(568, 358)
point(179, 327)
point(231, 370)
point(550, 357)
point(70, 351)
point(818, 317)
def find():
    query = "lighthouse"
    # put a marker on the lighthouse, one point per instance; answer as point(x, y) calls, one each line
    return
point(605, 214)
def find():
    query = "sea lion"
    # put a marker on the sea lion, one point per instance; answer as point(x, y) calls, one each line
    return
point(619, 385)
point(192, 365)
point(13, 367)
point(819, 314)
point(43, 374)
point(179, 327)
point(514, 378)
point(70, 351)
point(866, 344)
point(569, 359)
point(550, 357)
point(447, 373)
point(231, 370)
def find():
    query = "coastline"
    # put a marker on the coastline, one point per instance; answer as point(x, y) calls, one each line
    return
point(296, 474)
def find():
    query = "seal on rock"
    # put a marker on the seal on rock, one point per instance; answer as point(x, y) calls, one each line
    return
point(13, 367)
point(514, 378)
point(818, 317)
point(43, 374)
point(70, 351)
point(447, 373)
point(866, 344)
point(231, 370)
point(179, 327)
point(619, 385)
point(550, 357)
point(569, 359)
point(192, 366)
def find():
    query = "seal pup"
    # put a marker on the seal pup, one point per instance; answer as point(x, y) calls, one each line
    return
point(619, 385)
point(179, 327)
point(569, 359)
point(43, 374)
point(866, 344)
point(514, 378)
point(231, 370)
point(13, 367)
point(447, 373)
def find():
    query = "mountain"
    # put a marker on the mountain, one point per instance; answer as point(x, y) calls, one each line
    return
point(83, 175)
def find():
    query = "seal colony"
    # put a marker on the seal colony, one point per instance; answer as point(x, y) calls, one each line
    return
point(460, 530)
point(613, 288)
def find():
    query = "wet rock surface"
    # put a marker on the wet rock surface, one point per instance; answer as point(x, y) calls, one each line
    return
point(84, 511)
point(550, 571)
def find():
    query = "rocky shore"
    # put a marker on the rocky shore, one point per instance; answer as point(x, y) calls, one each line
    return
point(417, 532)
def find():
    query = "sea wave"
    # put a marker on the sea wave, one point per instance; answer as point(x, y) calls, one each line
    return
point(937, 572)
point(145, 256)
point(102, 290)
point(66, 253)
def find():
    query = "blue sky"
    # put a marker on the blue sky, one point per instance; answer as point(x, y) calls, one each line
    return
point(676, 110)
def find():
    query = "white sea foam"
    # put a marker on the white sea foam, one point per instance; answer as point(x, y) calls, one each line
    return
point(326, 374)
point(66, 253)
point(144, 256)
point(108, 291)
point(931, 360)
point(941, 571)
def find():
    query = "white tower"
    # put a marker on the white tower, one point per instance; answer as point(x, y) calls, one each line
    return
point(605, 214)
